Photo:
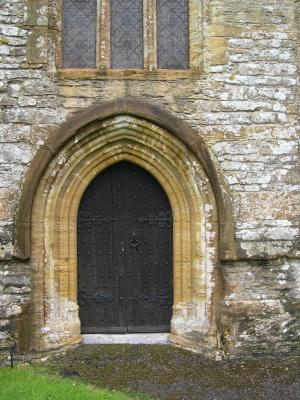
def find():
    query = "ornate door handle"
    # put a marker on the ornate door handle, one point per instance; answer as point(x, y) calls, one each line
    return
point(134, 241)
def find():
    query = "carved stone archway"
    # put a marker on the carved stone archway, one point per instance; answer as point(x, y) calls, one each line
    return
point(46, 224)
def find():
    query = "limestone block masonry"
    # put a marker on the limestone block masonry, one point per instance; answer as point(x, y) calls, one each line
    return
point(222, 138)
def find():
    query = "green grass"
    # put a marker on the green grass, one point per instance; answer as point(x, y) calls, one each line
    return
point(24, 383)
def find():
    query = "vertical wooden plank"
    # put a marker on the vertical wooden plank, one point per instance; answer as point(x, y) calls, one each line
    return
point(118, 265)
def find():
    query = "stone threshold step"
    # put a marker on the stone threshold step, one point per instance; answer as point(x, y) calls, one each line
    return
point(129, 338)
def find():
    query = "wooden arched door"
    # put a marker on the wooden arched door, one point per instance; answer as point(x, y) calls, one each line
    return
point(125, 246)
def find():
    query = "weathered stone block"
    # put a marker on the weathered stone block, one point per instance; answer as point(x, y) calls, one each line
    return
point(37, 46)
point(215, 51)
point(37, 13)
point(9, 310)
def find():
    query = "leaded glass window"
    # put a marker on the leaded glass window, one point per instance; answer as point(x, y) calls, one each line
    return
point(126, 34)
point(112, 36)
point(79, 33)
point(172, 34)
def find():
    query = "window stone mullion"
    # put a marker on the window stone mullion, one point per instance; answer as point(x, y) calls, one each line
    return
point(150, 50)
point(195, 33)
point(103, 34)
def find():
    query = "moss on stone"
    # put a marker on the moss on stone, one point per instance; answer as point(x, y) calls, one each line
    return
point(165, 372)
point(4, 40)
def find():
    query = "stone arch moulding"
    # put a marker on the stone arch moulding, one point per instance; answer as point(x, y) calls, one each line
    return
point(177, 157)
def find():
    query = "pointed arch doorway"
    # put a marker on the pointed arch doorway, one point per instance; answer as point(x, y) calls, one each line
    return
point(125, 130)
point(124, 247)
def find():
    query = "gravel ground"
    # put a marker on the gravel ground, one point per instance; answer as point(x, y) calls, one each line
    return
point(168, 373)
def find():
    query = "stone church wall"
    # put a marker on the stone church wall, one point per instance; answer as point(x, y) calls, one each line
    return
point(243, 103)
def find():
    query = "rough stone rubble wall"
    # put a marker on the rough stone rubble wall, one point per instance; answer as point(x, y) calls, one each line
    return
point(244, 105)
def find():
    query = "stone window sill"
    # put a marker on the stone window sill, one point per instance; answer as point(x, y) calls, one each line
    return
point(141, 74)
